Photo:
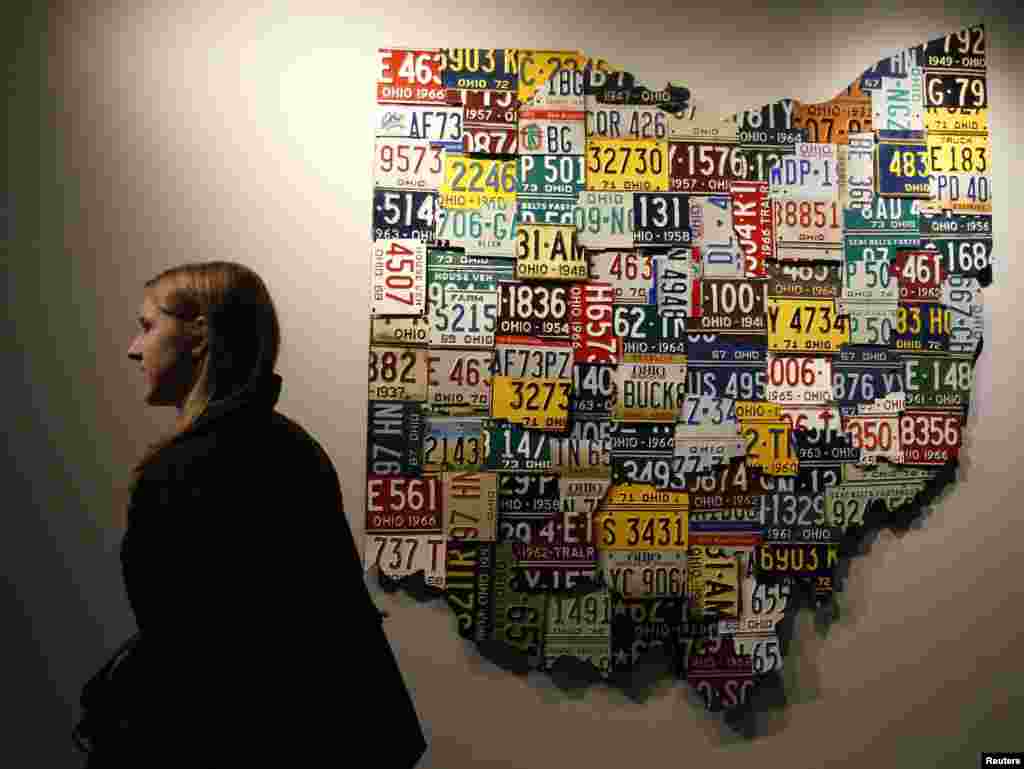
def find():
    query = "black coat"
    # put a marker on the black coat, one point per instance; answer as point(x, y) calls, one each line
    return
point(258, 640)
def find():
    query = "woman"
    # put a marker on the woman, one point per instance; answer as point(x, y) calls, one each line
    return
point(257, 637)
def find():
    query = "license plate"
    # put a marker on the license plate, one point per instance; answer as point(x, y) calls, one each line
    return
point(399, 330)
point(400, 556)
point(877, 437)
point(752, 223)
point(885, 215)
point(532, 309)
point(407, 121)
point(705, 167)
point(469, 180)
point(409, 76)
point(796, 559)
point(961, 50)
point(649, 392)
point(704, 415)
point(733, 304)
point(713, 575)
point(453, 443)
point(537, 68)
point(638, 327)
point(639, 165)
point(938, 381)
point(770, 124)
point(869, 260)
point(399, 277)
point(490, 140)
point(626, 122)
point(531, 401)
point(533, 358)
point(661, 219)
point(956, 120)
point(763, 649)
point(592, 324)
point(551, 133)
point(805, 325)
point(408, 164)
point(397, 374)
point(964, 240)
point(513, 447)
point(551, 175)
point(919, 274)
point(808, 230)
point(394, 438)
point(870, 322)
point(761, 160)
point(856, 382)
point(403, 215)
point(549, 251)
point(404, 504)
point(922, 326)
point(960, 192)
point(579, 626)
point(802, 281)
point(810, 173)
point(525, 496)
point(628, 271)
point(462, 297)
point(489, 230)
point(489, 108)
point(857, 172)
point(460, 379)
point(470, 509)
point(902, 164)
point(644, 573)
point(711, 226)
point(769, 447)
point(898, 105)
point(604, 220)
point(834, 121)
point(799, 380)
point(480, 68)
point(955, 89)
point(677, 282)
point(593, 388)
point(642, 530)
point(964, 299)
point(929, 437)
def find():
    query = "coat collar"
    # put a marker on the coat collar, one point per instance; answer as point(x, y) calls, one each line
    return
point(260, 395)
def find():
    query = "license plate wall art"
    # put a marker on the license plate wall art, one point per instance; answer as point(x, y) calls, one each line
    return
point(642, 377)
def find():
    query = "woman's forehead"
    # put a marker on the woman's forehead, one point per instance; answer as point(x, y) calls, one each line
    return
point(151, 301)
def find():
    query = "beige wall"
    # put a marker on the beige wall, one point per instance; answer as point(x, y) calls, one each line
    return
point(187, 131)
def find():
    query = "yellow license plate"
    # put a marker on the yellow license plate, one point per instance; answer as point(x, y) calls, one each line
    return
point(958, 153)
point(769, 446)
point(531, 401)
point(642, 530)
point(630, 165)
point(537, 67)
point(714, 579)
point(806, 325)
point(470, 182)
point(955, 119)
point(549, 251)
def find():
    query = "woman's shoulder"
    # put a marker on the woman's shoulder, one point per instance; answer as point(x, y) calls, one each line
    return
point(250, 449)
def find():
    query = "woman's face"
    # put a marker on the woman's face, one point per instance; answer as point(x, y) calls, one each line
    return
point(165, 351)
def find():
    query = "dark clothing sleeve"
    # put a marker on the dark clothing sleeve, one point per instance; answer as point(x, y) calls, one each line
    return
point(259, 639)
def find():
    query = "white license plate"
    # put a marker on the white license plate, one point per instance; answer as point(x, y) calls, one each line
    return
point(798, 380)
point(811, 173)
point(401, 555)
point(460, 379)
point(407, 121)
point(408, 164)
point(604, 219)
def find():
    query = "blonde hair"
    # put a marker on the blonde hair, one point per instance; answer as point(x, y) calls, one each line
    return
point(243, 335)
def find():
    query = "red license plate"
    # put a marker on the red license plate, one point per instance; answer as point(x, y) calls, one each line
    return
point(591, 323)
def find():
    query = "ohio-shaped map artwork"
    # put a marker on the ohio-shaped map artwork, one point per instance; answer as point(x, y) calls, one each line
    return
point(642, 377)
